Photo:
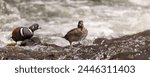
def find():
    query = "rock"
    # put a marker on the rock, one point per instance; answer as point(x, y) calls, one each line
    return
point(31, 42)
point(129, 47)
point(131, 56)
point(13, 43)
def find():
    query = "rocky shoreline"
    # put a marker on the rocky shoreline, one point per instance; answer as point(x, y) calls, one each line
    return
point(129, 47)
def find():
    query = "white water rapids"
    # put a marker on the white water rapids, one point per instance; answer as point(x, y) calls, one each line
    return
point(102, 18)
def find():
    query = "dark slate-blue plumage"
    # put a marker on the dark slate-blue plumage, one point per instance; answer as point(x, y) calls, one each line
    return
point(23, 33)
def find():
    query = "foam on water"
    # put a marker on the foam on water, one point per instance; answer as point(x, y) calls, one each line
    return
point(4, 38)
point(141, 2)
point(57, 17)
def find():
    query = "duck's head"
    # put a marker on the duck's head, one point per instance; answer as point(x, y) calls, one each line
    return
point(34, 27)
point(80, 24)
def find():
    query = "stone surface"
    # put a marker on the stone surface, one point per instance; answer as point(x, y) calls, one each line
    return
point(129, 47)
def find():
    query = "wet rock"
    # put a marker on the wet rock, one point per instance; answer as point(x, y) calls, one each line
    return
point(100, 41)
point(131, 56)
point(31, 42)
point(125, 56)
point(129, 47)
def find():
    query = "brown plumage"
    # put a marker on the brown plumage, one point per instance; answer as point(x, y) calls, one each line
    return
point(77, 34)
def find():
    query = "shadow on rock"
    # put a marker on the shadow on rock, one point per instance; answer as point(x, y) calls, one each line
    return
point(31, 42)
point(129, 47)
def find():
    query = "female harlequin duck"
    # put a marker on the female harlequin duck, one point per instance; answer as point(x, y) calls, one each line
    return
point(76, 34)
point(23, 33)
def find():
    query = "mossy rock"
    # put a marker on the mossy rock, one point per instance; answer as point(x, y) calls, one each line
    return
point(11, 43)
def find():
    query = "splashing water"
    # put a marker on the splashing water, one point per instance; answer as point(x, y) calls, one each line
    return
point(102, 18)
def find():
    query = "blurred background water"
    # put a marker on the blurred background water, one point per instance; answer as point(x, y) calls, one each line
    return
point(102, 18)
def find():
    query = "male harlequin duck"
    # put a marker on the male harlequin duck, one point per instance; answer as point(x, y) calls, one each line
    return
point(76, 34)
point(23, 33)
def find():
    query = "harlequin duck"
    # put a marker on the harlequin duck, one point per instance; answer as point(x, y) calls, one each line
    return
point(76, 34)
point(23, 33)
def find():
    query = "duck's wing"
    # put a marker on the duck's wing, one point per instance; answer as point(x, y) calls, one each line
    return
point(74, 33)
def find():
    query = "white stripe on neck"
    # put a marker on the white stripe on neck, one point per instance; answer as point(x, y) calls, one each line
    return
point(30, 30)
point(21, 32)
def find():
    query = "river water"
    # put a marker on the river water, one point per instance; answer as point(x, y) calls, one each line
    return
point(102, 18)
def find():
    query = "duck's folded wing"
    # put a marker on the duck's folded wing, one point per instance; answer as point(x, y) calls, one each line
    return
point(74, 33)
